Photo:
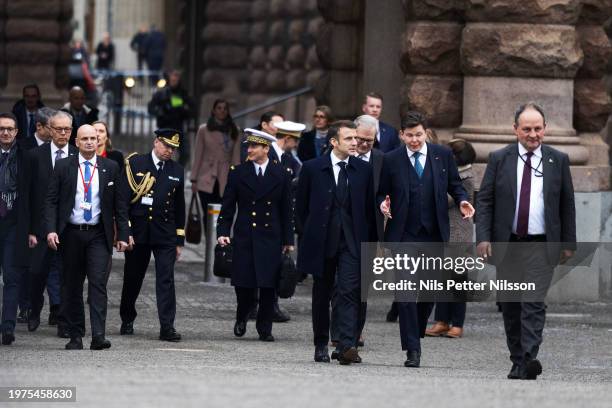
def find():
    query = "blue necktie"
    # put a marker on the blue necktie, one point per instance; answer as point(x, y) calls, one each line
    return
point(87, 213)
point(417, 164)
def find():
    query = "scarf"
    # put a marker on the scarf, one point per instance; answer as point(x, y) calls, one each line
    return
point(8, 181)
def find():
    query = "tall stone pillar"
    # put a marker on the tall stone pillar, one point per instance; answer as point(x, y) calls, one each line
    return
point(507, 62)
point(35, 48)
point(433, 82)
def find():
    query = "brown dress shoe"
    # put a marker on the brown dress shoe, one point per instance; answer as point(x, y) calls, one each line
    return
point(437, 330)
point(454, 332)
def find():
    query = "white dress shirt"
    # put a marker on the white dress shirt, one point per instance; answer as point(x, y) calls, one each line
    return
point(54, 149)
point(278, 150)
point(335, 160)
point(39, 141)
point(156, 159)
point(77, 215)
point(536, 198)
point(263, 167)
point(365, 157)
point(422, 157)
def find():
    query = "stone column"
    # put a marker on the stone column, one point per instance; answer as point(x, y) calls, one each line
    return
point(340, 50)
point(35, 49)
point(507, 62)
point(433, 83)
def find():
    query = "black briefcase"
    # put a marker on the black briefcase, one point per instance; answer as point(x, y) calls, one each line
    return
point(222, 267)
point(193, 230)
point(289, 277)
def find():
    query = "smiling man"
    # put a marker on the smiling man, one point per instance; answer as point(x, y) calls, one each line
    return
point(412, 195)
point(527, 196)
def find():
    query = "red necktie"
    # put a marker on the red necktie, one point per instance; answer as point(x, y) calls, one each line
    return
point(522, 222)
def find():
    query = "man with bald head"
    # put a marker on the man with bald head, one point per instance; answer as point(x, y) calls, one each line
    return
point(79, 217)
point(81, 113)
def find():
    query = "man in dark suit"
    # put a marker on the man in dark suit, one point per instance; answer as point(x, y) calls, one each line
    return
point(526, 199)
point(386, 135)
point(314, 143)
point(80, 218)
point(151, 194)
point(412, 195)
point(14, 204)
point(335, 203)
point(42, 134)
point(81, 113)
point(262, 232)
point(25, 111)
point(46, 264)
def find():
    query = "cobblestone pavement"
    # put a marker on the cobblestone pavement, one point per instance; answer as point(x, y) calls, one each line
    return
point(212, 368)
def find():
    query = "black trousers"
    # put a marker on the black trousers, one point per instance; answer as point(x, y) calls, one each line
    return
point(42, 262)
point(245, 298)
point(452, 313)
point(341, 271)
point(524, 320)
point(136, 264)
point(84, 254)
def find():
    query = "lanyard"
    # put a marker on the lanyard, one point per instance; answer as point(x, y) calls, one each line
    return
point(86, 186)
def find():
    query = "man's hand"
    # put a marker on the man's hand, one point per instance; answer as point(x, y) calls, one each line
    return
point(122, 246)
point(287, 248)
point(131, 243)
point(179, 249)
point(466, 209)
point(484, 249)
point(565, 255)
point(223, 241)
point(53, 240)
point(385, 207)
point(32, 241)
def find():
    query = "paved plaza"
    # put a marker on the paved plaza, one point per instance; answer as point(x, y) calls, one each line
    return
point(212, 368)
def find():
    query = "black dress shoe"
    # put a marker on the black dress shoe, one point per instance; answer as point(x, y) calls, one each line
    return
point(515, 372)
point(266, 337)
point(8, 338)
point(62, 332)
point(22, 317)
point(392, 314)
point(75, 343)
point(357, 358)
point(127, 329)
point(53, 312)
point(279, 315)
point(239, 328)
point(33, 323)
point(321, 354)
point(413, 359)
point(169, 334)
point(533, 368)
point(348, 356)
point(99, 343)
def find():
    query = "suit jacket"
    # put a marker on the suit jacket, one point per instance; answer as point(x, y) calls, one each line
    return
point(28, 143)
point(389, 138)
point(314, 198)
point(263, 225)
point(395, 182)
point(497, 200)
point(62, 193)
point(212, 159)
point(117, 157)
point(41, 168)
point(376, 161)
point(20, 111)
point(306, 148)
point(162, 223)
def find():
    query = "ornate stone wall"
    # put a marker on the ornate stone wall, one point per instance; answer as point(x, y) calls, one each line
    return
point(255, 50)
point(34, 47)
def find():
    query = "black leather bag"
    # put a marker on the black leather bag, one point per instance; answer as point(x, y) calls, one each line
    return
point(289, 277)
point(193, 230)
point(222, 267)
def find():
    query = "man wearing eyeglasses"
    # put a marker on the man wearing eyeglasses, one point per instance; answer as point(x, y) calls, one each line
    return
point(13, 222)
point(526, 199)
point(46, 264)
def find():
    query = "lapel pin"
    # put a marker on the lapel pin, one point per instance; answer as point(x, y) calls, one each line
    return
point(550, 160)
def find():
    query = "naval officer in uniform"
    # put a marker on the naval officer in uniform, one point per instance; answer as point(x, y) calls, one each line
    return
point(152, 197)
point(263, 230)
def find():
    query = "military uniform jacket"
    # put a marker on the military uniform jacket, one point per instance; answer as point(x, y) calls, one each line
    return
point(263, 225)
point(162, 222)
